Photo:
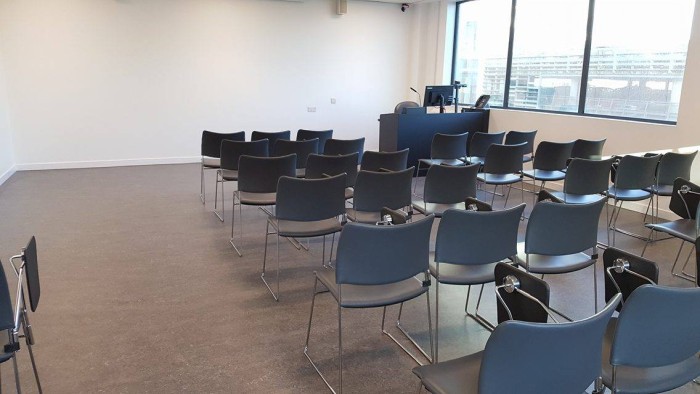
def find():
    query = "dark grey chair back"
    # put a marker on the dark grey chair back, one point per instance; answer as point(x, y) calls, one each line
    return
point(496, 240)
point(556, 229)
point(584, 176)
point(405, 104)
point(384, 161)
point(211, 141)
point(376, 190)
point(544, 358)
point(636, 172)
point(449, 146)
point(261, 174)
point(7, 319)
point(657, 326)
point(480, 142)
point(504, 159)
point(271, 136)
point(552, 156)
point(685, 205)
point(450, 185)
point(521, 307)
point(518, 137)
point(231, 151)
point(31, 269)
point(301, 148)
point(321, 166)
point(625, 282)
point(674, 165)
point(322, 135)
point(378, 255)
point(310, 200)
point(588, 149)
point(345, 147)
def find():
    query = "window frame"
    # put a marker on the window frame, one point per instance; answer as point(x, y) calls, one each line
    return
point(584, 71)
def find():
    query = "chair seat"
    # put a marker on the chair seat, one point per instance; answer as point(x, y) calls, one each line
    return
point(460, 375)
point(459, 274)
point(301, 173)
point(661, 190)
point(685, 229)
point(576, 198)
point(294, 228)
point(646, 380)
point(477, 160)
point(427, 208)
point(498, 179)
point(211, 162)
point(447, 162)
point(363, 216)
point(349, 193)
point(247, 198)
point(628, 194)
point(229, 175)
point(544, 175)
point(542, 264)
point(527, 158)
point(370, 296)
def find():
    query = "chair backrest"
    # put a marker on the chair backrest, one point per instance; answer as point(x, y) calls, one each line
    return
point(450, 184)
point(211, 141)
point(449, 146)
point(625, 282)
point(657, 326)
point(588, 149)
point(377, 255)
point(518, 137)
point(301, 148)
point(521, 307)
point(552, 156)
point(231, 151)
point(309, 200)
point(496, 239)
point(556, 229)
point(31, 269)
point(272, 137)
point(544, 358)
point(674, 165)
point(345, 147)
point(322, 135)
point(504, 159)
point(636, 172)
point(405, 104)
point(261, 174)
point(376, 190)
point(383, 161)
point(684, 205)
point(480, 142)
point(584, 176)
point(7, 318)
point(321, 166)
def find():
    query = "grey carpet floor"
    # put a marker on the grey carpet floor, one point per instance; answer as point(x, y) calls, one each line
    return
point(141, 292)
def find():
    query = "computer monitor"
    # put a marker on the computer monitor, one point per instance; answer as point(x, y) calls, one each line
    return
point(440, 95)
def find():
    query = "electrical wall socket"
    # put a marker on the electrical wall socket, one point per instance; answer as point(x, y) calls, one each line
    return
point(310, 109)
point(332, 100)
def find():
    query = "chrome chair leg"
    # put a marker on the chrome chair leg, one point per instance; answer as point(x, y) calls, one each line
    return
point(595, 288)
point(308, 335)
point(233, 221)
point(682, 274)
point(409, 337)
point(220, 178)
point(437, 320)
point(14, 365)
point(276, 296)
point(476, 316)
point(202, 192)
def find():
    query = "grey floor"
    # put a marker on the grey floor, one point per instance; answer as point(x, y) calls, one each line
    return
point(141, 292)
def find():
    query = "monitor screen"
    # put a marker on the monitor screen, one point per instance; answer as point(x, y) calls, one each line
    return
point(433, 94)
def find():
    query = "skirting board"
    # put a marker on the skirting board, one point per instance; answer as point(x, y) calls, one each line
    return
point(105, 163)
point(4, 177)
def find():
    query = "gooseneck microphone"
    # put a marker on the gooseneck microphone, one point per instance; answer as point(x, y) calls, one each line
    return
point(420, 101)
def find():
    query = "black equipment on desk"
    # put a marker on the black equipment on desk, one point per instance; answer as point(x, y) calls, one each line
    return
point(439, 95)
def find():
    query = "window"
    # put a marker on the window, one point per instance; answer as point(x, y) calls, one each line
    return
point(633, 67)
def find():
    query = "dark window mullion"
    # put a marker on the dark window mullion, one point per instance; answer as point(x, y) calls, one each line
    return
point(586, 59)
point(509, 61)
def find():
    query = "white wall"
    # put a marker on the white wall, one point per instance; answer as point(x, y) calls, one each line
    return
point(7, 159)
point(129, 82)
